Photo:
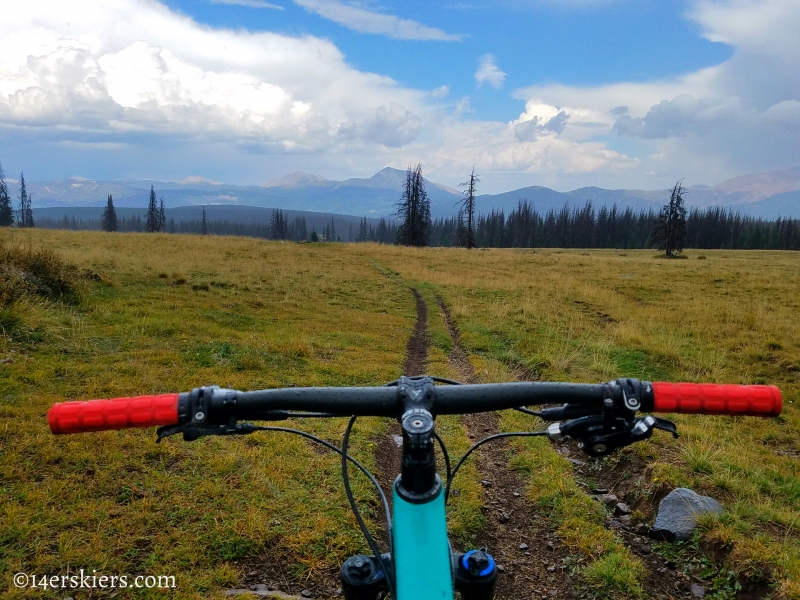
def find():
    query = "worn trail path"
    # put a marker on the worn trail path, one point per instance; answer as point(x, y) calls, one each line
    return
point(530, 557)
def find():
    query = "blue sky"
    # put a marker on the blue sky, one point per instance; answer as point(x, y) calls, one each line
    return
point(564, 93)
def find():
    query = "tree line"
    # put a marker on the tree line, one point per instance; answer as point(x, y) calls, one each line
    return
point(671, 230)
point(587, 227)
point(24, 217)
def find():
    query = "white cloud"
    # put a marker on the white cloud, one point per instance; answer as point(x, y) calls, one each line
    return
point(158, 72)
point(488, 72)
point(366, 21)
point(248, 3)
point(391, 126)
point(145, 86)
point(737, 117)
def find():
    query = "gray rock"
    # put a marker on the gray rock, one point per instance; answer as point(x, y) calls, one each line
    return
point(622, 509)
point(608, 499)
point(698, 591)
point(678, 512)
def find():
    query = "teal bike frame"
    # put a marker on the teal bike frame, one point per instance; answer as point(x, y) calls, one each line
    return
point(421, 550)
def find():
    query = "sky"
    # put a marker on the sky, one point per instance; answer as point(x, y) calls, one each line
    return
point(559, 93)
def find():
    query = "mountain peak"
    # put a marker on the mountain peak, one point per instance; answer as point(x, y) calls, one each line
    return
point(762, 185)
point(296, 179)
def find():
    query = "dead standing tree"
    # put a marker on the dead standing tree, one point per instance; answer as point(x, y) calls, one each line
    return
point(669, 232)
point(467, 230)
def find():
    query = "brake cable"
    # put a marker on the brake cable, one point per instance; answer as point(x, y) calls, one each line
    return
point(367, 535)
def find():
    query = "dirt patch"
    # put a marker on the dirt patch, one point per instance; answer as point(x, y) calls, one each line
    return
point(267, 573)
point(417, 349)
point(389, 450)
point(532, 563)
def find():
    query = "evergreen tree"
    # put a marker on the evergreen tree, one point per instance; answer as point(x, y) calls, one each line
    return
point(6, 210)
point(25, 211)
point(162, 215)
point(153, 219)
point(314, 235)
point(108, 222)
point(414, 210)
point(669, 232)
point(467, 213)
point(203, 223)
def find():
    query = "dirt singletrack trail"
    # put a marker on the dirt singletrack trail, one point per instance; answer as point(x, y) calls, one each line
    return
point(389, 451)
point(530, 558)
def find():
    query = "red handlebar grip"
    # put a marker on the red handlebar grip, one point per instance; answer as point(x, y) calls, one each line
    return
point(712, 399)
point(117, 413)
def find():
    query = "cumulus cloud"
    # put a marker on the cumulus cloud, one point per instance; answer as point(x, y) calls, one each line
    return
point(366, 21)
point(391, 126)
point(488, 72)
point(159, 72)
point(144, 85)
point(737, 117)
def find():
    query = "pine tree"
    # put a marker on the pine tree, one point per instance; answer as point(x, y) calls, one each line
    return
point(669, 232)
point(153, 218)
point(108, 222)
point(468, 210)
point(414, 210)
point(203, 223)
point(6, 210)
point(25, 212)
point(162, 215)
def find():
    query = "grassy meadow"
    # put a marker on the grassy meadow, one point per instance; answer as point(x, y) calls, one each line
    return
point(158, 313)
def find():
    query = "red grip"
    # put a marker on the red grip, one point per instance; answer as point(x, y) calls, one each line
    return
point(712, 399)
point(117, 413)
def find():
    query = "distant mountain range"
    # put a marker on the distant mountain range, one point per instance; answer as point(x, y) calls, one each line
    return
point(767, 195)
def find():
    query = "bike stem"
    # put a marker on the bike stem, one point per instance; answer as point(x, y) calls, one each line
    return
point(423, 563)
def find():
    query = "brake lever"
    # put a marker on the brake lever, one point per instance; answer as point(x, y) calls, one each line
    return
point(596, 438)
point(199, 427)
point(191, 432)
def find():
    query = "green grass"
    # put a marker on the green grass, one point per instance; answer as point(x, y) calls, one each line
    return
point(174, 312)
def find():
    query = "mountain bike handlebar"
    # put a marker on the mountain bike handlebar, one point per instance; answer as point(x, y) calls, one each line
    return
point(274, 404)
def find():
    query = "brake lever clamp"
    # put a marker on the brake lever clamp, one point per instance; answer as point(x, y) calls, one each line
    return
point(207, 411)
point(615, 425)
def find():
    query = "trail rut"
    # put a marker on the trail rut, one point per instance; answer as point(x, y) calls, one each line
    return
point(530, 558)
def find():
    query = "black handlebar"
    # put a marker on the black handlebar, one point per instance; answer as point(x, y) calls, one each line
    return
point(218, 405)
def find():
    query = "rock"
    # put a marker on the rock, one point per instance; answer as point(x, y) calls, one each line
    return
point(252, 573)
point(551, 546)
point(516, 494)
point(551, 568)
point(306, 593)
point(486, 483)
point(698, 591)
point(260, 587)
point(677, 514)
point(615, 524)
point(599, 490)
point(502, 518)
point(398, 440)
point(576, 462)
point(642, 529)
point(622, 509)
point(523, 546)
point(501, 568)
point(608, 499)
point(455, 493)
